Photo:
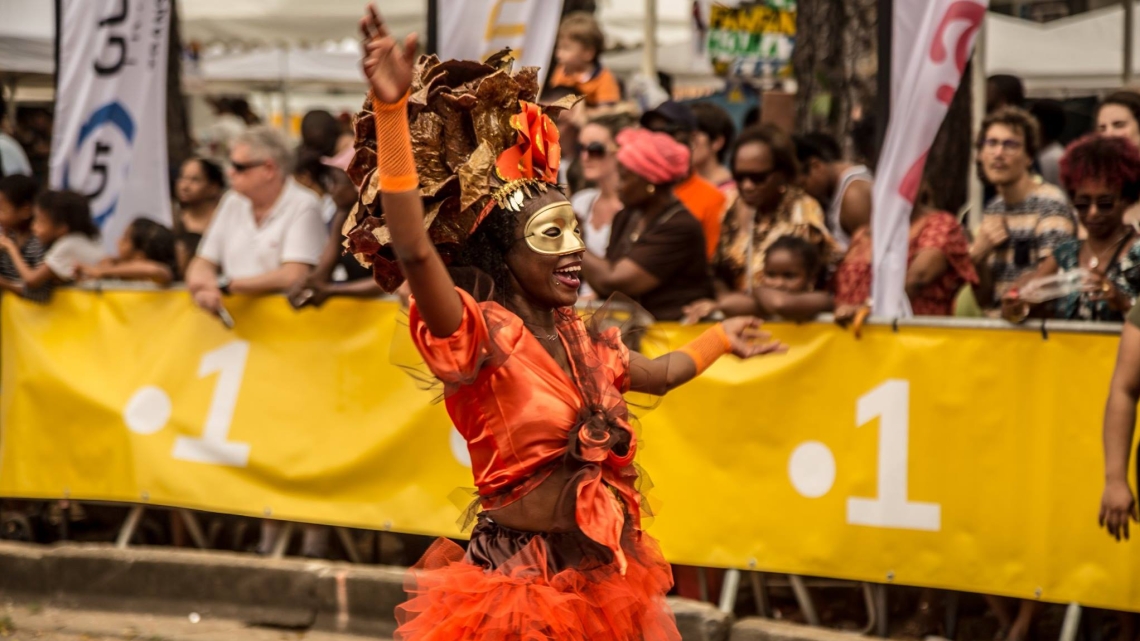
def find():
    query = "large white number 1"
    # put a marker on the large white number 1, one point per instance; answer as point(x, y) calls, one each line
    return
point(229, 363)
point(890, 402)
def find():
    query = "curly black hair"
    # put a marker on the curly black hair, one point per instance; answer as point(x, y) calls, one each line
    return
point(485, 252)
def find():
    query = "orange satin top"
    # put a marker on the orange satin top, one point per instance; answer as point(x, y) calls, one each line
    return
point(522, 415)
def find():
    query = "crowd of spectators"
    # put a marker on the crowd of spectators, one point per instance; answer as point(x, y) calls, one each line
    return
point(681, 212)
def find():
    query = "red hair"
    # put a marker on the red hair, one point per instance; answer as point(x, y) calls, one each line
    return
point(1112, 160)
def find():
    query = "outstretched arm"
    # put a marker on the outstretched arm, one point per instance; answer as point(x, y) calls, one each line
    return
point(740, 336)
point(388, 67)
point(796, 307)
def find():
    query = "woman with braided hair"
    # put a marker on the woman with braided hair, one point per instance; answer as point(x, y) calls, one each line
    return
point(558, 551)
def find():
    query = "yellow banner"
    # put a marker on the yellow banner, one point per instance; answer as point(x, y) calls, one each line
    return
point(965, 459)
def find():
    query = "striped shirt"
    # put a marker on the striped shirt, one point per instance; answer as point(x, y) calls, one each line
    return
point(33, 254)
point(1035, 226)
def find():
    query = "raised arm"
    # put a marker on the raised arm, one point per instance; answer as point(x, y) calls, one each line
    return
point(388, 67)
point(741, 336)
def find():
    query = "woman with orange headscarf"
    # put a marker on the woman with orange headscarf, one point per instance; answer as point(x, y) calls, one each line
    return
point(656, 254)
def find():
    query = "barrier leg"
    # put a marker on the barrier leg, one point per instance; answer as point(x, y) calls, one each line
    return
point(803, 597)
point(728, 591)
point(760, 593)
point(129, 527)
point(193, 529)
point(347, 543)
point(282, 542)
point(703, 585)
point(1072, 622)
point(869, 601)
point(952, 614)
point(882, 624)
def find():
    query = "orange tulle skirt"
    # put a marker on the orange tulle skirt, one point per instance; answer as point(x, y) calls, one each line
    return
point(523, 586)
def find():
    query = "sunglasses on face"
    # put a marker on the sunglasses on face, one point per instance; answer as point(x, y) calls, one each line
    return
point(1103, 203)
point(242, 167)
point(757, 177)
point(596, 150)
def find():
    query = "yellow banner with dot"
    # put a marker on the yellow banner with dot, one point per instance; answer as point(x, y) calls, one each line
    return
point(966, 459)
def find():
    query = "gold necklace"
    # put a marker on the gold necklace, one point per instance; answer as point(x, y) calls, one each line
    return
point(1095, 262)
point(542, 335)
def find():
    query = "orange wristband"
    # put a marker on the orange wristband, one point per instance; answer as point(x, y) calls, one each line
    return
point(395, 163)
point(708, 347)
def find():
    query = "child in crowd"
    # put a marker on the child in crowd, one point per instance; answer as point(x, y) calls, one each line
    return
point(792, 271)
point(17, 200)
point(62, 223)
point(146, 252)
point(580, 43)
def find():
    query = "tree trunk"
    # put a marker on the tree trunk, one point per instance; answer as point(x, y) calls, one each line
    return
point(833, 63)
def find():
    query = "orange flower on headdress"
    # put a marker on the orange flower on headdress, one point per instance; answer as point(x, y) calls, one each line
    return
point(537, 153)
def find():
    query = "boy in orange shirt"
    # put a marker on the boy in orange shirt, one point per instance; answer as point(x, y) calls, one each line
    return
point(703, 200)
point(580, 42)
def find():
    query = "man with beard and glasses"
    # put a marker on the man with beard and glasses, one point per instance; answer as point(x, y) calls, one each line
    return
point(1027, 218)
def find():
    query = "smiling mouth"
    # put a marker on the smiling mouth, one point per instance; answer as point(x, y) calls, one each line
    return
point(569, 275)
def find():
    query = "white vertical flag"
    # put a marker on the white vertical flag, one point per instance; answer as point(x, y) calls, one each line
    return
point(110, 118)
point(932, 41)
point(475, 29)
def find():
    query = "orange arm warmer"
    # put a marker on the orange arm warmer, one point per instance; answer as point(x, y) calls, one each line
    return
point(394, 161)
point(706, 348)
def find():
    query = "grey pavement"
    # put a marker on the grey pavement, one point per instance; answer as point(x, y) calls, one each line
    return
point(28, 621)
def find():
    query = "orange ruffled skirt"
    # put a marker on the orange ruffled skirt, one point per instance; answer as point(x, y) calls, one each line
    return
point(526, 586)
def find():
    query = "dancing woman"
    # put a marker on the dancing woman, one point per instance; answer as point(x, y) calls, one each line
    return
point(558, 551)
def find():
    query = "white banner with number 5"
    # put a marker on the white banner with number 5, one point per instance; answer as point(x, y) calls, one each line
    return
point(109, 140)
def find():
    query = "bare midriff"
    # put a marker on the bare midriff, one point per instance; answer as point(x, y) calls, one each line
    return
point(549, 507)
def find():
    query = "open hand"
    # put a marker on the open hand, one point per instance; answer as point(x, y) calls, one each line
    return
point(747, 338)
point(1117, 508)
point(387, 65)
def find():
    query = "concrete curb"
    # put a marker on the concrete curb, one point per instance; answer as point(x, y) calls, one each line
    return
point(756, 629)
point(288, 593)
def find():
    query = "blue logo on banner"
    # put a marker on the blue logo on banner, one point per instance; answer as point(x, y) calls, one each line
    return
point(110, 115)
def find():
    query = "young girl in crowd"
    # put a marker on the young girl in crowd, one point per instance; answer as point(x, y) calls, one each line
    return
point(787, 287)
point(62, 223)
point(146, 252)
point(17, 200)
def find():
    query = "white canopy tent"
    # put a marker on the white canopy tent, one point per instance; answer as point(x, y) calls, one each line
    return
point(27, 37)
point(289, 41)
point(1075, 55)
point(290, 22)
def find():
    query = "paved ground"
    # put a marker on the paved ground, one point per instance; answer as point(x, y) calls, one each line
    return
point(28, 622)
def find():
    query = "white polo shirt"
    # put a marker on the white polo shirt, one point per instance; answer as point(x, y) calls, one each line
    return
point(292, 233)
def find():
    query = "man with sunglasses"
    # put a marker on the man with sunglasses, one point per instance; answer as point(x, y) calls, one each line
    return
point(1027, 218)
point(267, 232)
point(702, 198)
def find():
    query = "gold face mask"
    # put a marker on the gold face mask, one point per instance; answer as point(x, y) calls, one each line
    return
point(554, 230)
